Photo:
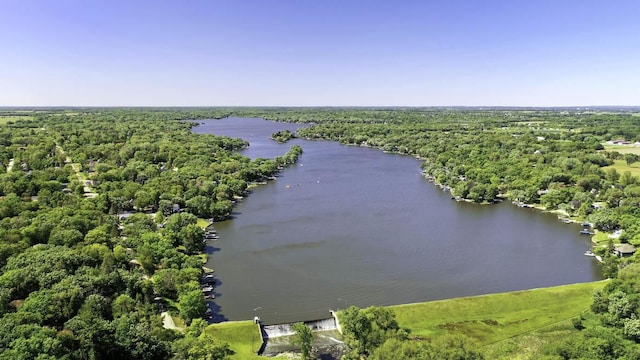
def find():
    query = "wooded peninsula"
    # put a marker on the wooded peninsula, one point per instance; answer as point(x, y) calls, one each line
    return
point(103, 213)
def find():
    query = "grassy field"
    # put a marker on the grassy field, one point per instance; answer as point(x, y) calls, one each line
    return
point(621, 166)
point(530, 346)
point(497, 317)
point(243, 338)
point(6, 119)
point(512, 325)
point(623, 149)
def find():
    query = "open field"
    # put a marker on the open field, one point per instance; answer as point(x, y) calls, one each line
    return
point(6, 119)
point(496, 317)
point(621, 166)
point(623, 149)
point(243, 338)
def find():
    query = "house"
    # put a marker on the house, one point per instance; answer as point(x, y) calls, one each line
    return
point(624, 250)
point(620, 142)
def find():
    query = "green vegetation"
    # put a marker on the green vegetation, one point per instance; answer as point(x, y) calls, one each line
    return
point(374, 333)
point(12, 119)
point(243, 337)
point(550, 159)
point(495, 317)
point(99, 227)
point(101, 214)
point(623, 149)
point(203, 223)
point(563, 322)
point(282, 136)
point(304, 338)
point(621, 167)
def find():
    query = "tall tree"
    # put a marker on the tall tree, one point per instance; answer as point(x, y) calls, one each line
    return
point(304, 337)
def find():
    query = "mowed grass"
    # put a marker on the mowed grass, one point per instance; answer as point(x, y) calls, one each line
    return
point(600, 238)
point(509, 325)
point(243, 337)
point(621, 166)
point(203, 223)
point(623, 149)
point(496, 317)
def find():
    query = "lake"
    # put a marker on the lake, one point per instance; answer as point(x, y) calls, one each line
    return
point(353, 225)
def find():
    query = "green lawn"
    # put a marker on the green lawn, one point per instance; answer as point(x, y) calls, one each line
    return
point(621, 166)
point(496, 317)
point(508, 325)
point(600, 238)
point(203, 223)
point(243, 337)
point(623, 149)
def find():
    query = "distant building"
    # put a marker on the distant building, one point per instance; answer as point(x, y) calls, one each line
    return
point(619, 142)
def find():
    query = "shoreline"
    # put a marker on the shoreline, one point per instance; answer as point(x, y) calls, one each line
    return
point(427, 176)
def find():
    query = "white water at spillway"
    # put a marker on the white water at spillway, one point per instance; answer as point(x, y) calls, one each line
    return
point(323, 324)
point(279, 330)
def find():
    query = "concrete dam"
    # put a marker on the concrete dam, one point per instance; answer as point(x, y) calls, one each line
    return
point(279, 338)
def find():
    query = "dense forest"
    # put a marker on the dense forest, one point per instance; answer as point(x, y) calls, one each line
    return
point(100, 229)
point(102, 214)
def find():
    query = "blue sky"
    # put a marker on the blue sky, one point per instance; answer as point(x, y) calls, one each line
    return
point(319, 53)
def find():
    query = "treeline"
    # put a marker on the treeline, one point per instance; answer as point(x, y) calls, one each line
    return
point(98, 213)
point(552, 159)
point(373, 333)
point(545, 158)
point(98, 231)
point(282, 136)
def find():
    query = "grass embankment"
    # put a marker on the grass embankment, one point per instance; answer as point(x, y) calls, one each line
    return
point(243, 337)
point(510, 325)
point(496, 317)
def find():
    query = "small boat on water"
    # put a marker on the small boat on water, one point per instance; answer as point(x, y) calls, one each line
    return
point(566, 221)
point(585, 232)
point(589, 253)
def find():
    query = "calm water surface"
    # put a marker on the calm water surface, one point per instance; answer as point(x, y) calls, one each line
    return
point(355, 226)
